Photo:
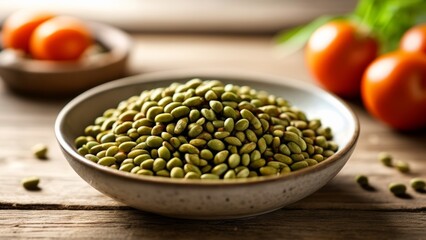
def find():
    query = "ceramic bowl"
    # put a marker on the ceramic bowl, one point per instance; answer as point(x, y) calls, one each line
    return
point(52, 78)
point(207, 199)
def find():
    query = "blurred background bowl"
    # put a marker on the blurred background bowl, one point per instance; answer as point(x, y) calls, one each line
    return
point(207, 199)
point(58, 79)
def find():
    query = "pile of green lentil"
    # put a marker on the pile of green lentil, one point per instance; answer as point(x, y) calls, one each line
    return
point(208, 130)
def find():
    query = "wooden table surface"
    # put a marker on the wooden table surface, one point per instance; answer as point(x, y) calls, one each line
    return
point(66, 206)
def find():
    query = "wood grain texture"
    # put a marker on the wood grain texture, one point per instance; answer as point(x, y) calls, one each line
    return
point(66, 206)
point(282, 224)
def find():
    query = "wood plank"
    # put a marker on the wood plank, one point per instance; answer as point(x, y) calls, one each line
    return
point(282, 224)
point(254, 53)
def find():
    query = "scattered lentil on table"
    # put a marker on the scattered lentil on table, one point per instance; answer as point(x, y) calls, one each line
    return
point(385, 158)
point(40, 150)
point(418, 184)
point(397, 189)
point(30, 183)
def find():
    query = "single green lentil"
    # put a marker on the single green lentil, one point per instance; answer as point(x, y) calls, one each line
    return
point(123, 139)
point(255, 155)
point(268, 170)
point(126, 146)
point(126, 167)
point(234, 141)
point(245, 159)
point(294, 148)
point(418, 184)
point(328, 153)
point(362, 180)
point(163, 173)
point(191, 168)
point(221, 135)
point(194, 115)
point(80, 141)
point(180, 111)
point(164, 117)
point(126, 161)
point(206, 154)
point(283, 158)
point(257, 163)
point(234, 160)
point(158, 164)
point(230, 174)
point(299, 165)
point(247, 148)
point(402, 166)
point(188, 148)
point(285, 170)
point(195, 131)
point(193, 101)
point(91, 157)
point(106, 161)
point(220, 169)
point(201, 121)
point(181, 125)
point(276, 164)
point(241, 125)
point(172, 106)
point(216, 106)
point(145, 172)
point(216, 145)
point(40, 150)
point(397, 189)
point(311, 162)
point(164, 153)
point(101, 154)
point(174, 162)
point(192, 175)
point(243, 173)
point(177, 172)
point(209, 176)
point(252, 174)
point(229, 124)
point(120, 156)
point(193, 159)
point(135, 169)
point(139, 159)
point(385, 158)
point(30, 183)
point(123, 127)
point(198, 142)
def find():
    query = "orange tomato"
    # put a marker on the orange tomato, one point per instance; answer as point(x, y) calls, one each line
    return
point(394, 89)
point(414, 40)
point(60, 38)
point(337, 54)
point(19, 26)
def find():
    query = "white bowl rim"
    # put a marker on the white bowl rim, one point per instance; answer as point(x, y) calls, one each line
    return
point(210, 73)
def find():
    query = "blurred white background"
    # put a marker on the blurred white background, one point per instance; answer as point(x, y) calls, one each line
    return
point(241, 16)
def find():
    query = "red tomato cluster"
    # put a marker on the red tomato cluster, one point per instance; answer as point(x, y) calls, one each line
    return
point(345, 61)
point(46, 36)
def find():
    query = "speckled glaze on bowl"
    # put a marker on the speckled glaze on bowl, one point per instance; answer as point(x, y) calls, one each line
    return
point(207, 199)
point(62, 79)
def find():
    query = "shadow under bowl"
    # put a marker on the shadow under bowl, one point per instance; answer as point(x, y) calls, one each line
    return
point(207, 199)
